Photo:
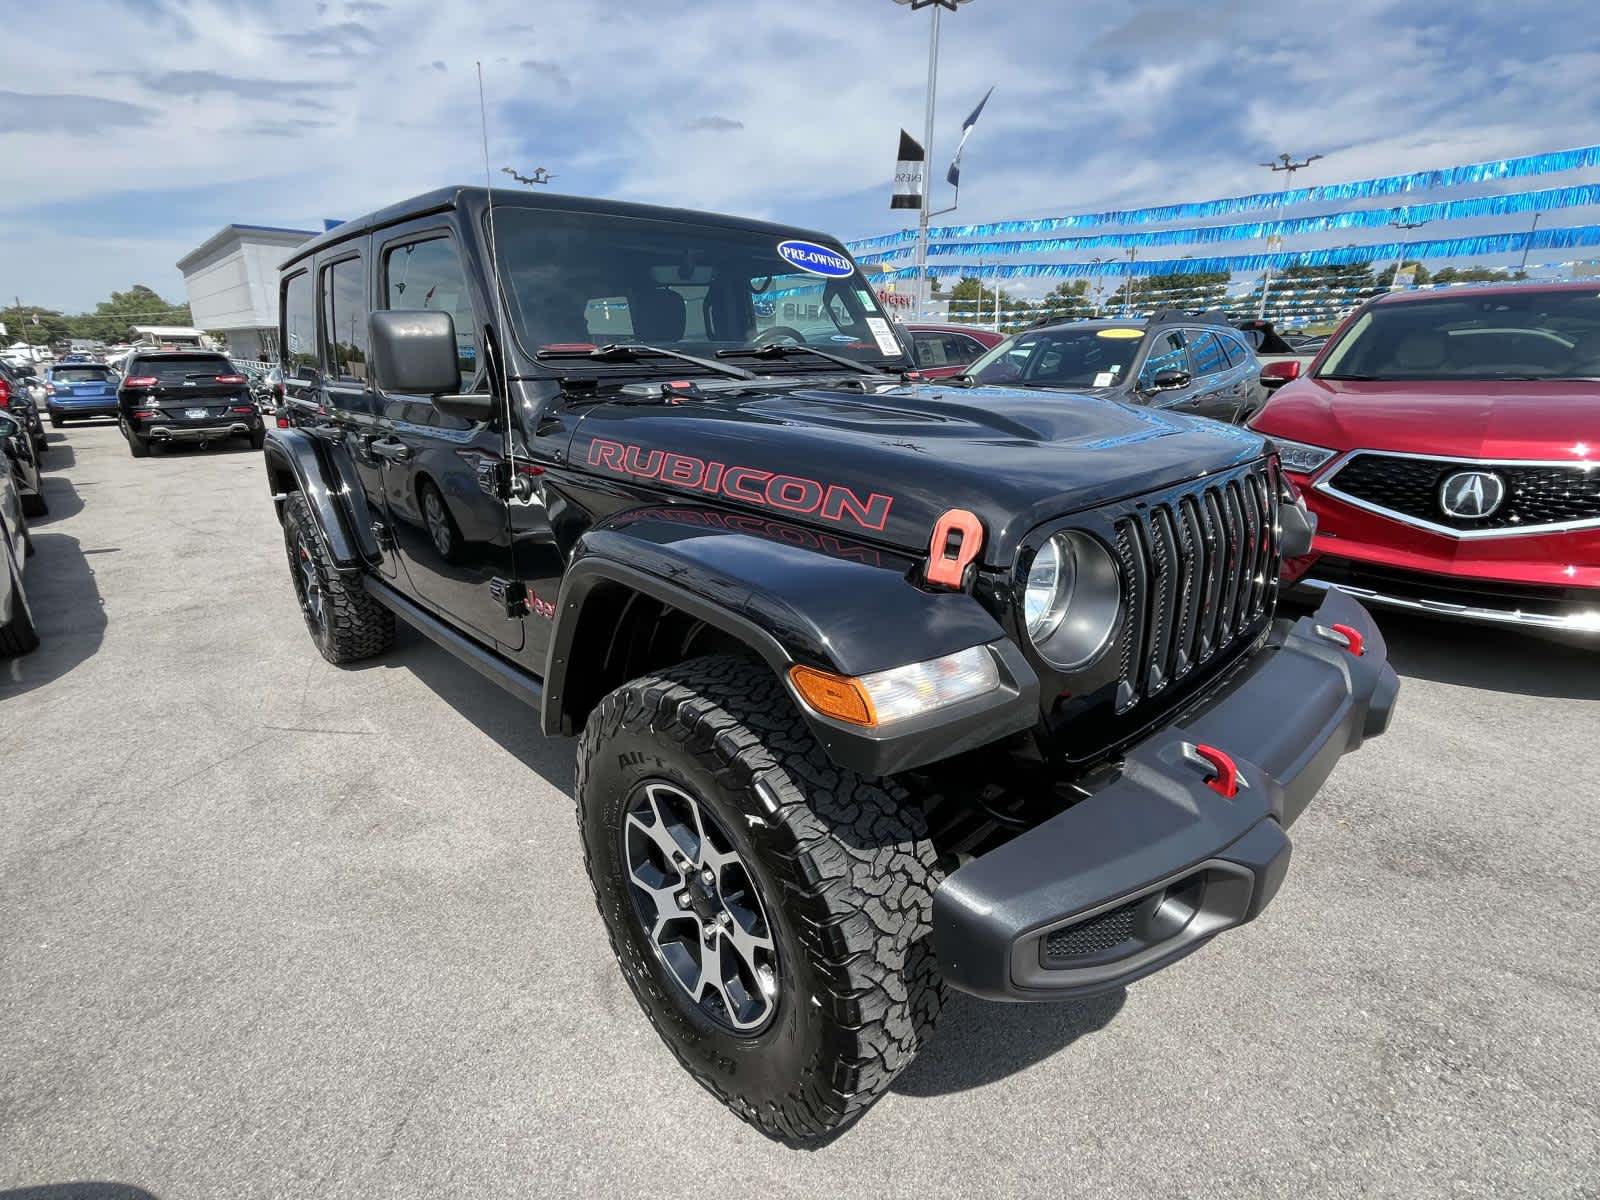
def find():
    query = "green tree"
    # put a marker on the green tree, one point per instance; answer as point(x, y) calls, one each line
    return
point(972, 302)
point(1477, 275)
point(32, 324)
point(1198, 289)
point(1385, 277)
point(139, 305)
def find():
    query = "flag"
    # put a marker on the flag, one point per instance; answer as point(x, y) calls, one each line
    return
point(909, 177)
point(966, 131)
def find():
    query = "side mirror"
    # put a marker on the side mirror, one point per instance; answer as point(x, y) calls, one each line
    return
point(1171, 379)
point(1276, 374)
point(414, 353)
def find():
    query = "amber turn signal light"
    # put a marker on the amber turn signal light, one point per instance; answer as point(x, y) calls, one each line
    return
point(836, 696)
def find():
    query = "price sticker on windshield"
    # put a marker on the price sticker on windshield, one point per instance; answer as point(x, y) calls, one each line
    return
point(887, 342)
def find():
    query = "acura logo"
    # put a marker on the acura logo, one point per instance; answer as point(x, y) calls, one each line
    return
point(1472, 495)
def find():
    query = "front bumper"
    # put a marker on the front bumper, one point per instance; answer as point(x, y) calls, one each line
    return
point(1155, 863)
point(1569, 611)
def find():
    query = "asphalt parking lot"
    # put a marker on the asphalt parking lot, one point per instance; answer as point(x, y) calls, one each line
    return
point(272, 928)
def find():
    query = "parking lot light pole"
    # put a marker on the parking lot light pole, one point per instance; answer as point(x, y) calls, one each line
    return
point(1400, 259)
point(1288, 166)
point(938, 6)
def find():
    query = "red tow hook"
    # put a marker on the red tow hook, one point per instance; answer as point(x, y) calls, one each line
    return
point(1354, 642)
point(1224, 778)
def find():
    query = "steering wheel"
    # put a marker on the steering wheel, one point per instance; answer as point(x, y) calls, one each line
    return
point(778, 333)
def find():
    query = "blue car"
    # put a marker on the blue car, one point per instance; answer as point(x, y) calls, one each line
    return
point(79, 390)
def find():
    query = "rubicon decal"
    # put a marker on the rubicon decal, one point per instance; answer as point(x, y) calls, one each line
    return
point(749, 485)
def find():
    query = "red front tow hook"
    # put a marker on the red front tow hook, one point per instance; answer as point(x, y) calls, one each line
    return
point(1223, 773)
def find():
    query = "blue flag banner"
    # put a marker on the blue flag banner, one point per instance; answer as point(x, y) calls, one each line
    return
point(1510, 204)
point(1497, 243)
point(954, 175)
point(1361, 189)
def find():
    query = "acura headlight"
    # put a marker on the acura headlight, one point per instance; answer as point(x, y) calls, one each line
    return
point(1072, 599)
point(1301, 457)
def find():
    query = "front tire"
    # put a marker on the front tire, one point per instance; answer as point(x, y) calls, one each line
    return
point(35, 505)
point(840, 868)
point(345, 622)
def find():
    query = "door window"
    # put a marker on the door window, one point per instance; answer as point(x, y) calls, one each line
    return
point(428, 275)
point(344, 316)
point(945, 349)
point(299, 328)
point(1166, 353)
point(1206, 353)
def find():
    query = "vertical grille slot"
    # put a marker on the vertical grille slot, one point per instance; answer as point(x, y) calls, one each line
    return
point(1199, 570)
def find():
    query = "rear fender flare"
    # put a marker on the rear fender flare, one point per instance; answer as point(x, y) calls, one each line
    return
point(327, 478)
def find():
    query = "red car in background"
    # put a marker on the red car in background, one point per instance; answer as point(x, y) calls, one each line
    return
point(946, 350)
point(1449, 443)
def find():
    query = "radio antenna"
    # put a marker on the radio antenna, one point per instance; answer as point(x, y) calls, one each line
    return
point(494, 257)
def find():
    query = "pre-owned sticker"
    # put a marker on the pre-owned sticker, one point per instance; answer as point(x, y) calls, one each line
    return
point(887, 342)
point(816, 260)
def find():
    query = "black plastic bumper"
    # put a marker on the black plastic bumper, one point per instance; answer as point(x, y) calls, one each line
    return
point(1156, 863)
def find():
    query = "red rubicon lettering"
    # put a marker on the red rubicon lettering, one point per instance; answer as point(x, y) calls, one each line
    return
point(733, 484)
point(751, 485)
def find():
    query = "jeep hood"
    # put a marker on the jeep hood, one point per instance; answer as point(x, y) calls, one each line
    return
point(884, 464)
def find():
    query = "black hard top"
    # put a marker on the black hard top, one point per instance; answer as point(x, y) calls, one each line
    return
point(473, 200)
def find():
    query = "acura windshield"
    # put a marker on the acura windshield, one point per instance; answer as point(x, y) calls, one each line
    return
point(1071, 357)
point(1532, 334)
point(578, 281)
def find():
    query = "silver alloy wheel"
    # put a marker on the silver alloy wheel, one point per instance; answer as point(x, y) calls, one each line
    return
point(438, 523)
point(699, 906)
point(310, 581)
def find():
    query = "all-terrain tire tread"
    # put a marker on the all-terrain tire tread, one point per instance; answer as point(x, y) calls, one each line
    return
point(358, 627)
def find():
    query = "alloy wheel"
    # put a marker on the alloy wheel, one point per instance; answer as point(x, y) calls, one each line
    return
point(438, 523)
point(700, 907)
point(309, 581)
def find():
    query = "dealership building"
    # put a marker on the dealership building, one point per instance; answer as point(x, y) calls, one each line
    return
point(232, 281)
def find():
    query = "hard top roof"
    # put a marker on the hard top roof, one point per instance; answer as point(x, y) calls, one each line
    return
point(475, 199)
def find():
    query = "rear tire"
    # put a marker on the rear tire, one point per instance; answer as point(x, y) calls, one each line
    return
point(346, 624)
point(841, 868)
point(55, 421)
point(35, 505)
point(138, 447)
point(17, 636)
point(258, 439)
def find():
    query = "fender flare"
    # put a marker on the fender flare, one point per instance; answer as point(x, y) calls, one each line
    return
point(794, 596)
point(324, 475)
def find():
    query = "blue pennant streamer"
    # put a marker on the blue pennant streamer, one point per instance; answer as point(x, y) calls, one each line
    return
point(1467, 247)
point(1388, 185)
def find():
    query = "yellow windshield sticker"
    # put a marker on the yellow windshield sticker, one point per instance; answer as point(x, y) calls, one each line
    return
point(1119, 333)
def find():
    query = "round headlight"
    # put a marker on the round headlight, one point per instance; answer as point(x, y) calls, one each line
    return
point(1043, 601)
point(1072, 600)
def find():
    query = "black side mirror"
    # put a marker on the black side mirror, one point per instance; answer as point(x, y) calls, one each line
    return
point(414, 352)
point(1171, 379)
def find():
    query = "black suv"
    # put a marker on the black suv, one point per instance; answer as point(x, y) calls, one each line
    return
point(1189, 363)
point(194, 396)
point(881, 689)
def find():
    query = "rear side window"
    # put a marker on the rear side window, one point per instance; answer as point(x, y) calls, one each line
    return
point(428, 275)
point(945, 349)
point(344, 321)
point(1206, 354)
point(174, 370)
point(299, 349)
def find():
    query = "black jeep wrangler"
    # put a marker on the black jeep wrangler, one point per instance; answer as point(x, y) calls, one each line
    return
point(881, 687)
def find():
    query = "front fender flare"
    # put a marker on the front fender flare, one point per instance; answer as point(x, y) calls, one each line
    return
point(326, 477)
point(795, 596)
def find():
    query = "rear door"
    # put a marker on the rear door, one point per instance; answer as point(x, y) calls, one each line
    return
point(1214, 392)
point(452, 530)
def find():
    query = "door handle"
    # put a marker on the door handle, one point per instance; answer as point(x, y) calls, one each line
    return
point(390, 449)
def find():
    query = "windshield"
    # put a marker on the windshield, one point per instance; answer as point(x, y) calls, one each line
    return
point(179, 369)
point(80, 375)
point(1523, 335)
point(1062, 358)
point(579, 280)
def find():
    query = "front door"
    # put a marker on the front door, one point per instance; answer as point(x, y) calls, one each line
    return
point(452, 532)
point(1216, 392)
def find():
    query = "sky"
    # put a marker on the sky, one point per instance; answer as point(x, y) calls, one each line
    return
point(134, 129)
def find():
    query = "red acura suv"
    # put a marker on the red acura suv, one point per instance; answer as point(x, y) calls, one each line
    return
point(1449, 443)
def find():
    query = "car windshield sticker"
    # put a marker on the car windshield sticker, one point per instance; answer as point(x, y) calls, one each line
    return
point(816, 260)
point(1119, 333)
point(885, 336)
point(1104, 379)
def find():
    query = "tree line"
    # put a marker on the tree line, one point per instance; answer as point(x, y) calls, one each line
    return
point(109, 321)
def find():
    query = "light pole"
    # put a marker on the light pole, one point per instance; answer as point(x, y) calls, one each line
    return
point(1400, 259)
point(1286, 163)
point(937, 6)
point(1522, 267)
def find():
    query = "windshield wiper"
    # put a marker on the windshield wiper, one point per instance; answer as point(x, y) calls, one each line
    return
point(781, 350)
point(633, 352)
